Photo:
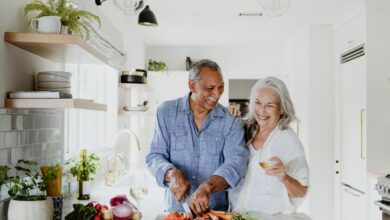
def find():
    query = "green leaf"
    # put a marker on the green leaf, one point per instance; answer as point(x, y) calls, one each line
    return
point(13, 190)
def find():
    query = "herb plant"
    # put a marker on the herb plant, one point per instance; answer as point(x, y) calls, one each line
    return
point(84, 168)
point(81, 212)
point(157, 65)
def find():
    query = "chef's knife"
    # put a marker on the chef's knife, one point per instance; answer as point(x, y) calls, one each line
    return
point(185, 205)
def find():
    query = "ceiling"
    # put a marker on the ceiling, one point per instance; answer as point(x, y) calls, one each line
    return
point(216, 22)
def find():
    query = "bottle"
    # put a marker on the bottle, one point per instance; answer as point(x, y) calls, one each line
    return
point(188, 63)
point(83, 177)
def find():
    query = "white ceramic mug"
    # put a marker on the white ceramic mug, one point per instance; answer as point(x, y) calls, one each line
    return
point(47, 24)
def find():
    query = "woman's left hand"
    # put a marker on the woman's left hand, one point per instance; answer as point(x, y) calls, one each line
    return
point(276, 169)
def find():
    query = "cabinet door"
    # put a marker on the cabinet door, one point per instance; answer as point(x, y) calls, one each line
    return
point(353, 204)
point(352, 109)
point(351, 34)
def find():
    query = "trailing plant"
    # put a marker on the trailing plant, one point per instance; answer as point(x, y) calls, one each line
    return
point(76, 20)
point(29, 185)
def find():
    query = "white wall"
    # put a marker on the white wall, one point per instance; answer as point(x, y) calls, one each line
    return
point(17, 67)
point(309, 58)
point(235, 62)
point(378, 86)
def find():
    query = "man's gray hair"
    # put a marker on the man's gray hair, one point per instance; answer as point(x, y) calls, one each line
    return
point(286, 105)
point(198, 66)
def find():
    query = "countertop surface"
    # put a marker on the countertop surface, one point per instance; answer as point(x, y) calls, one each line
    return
point(260, 216)
point(153, 205)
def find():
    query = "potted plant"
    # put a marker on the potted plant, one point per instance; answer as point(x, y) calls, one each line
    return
point(75, 20)
point(84, 169)
point(156, 65)
point(52, 175)
point(27, 191)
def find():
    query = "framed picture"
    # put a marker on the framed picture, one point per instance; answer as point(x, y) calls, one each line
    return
point(242, 104)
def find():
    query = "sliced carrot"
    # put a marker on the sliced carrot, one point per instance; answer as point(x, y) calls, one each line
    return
point(212, 216)
point(217, 212)
point(224, 216)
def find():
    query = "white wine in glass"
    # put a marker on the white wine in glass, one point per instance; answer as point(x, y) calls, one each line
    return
point(138, 193)
point(138, 188)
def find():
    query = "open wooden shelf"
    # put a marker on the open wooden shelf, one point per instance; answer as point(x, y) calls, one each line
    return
point(54, 103)
point(133, 85)
point(139, 113)
point(56, 47)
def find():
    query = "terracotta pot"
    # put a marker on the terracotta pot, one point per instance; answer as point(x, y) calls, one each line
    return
point(30, 210)
point(53, 186)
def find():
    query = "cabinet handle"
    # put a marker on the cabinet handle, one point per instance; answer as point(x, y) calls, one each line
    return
point(351, 193)
point(362, 133)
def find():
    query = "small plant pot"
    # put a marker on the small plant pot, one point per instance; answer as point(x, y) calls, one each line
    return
point(53, 186)
point(30, 210)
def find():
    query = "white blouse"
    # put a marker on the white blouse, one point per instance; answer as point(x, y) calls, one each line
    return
point(258, 192)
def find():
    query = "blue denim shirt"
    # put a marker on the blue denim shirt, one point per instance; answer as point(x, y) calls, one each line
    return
point(216, 149)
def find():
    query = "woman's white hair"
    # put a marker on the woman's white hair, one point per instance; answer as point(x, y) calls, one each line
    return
point(286, 105)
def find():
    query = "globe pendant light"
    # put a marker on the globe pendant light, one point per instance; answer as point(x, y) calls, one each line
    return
point(147, 18)
point(129, 7)
point(275, 8)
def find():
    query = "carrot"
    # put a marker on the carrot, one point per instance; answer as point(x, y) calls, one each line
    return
point(223, 216)
point(212, 216)
point(217, 212)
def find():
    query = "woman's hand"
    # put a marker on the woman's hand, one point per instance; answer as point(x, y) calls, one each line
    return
point(294, 188)
point(234, 110)
point(276, 169)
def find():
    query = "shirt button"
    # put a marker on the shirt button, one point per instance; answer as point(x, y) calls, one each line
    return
point(195, 158)
point(193, 177)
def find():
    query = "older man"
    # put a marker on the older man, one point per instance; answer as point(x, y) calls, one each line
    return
point(197, 147)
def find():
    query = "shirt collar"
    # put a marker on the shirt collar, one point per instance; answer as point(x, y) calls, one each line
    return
point(218, 111)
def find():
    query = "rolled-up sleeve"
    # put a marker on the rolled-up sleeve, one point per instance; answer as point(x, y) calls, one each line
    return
point(158, 158)
point(235, 155)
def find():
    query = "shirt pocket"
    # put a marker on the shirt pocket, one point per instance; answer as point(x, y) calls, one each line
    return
point(213, 144)
point(179, 139)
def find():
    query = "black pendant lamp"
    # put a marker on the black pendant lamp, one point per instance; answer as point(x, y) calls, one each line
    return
point(147, 18)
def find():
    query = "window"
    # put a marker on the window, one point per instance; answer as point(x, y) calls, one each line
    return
point(85, 128)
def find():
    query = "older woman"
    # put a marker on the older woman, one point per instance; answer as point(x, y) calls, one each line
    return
point(277, 178)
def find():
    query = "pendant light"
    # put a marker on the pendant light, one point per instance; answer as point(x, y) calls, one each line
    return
point(274, 8)
point(147, 18)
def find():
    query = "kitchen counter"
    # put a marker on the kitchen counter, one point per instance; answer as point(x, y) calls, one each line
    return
point(293, 216)
point(153, 205)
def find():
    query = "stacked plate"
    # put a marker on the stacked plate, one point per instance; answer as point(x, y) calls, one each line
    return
point(54, 81)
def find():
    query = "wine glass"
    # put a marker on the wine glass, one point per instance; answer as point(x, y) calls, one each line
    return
point(264, 163)
point(138, 187)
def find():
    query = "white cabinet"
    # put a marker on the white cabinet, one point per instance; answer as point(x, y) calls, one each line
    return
point(351, 33)
point(353, 204)
point(352, 123)
point(351, 105)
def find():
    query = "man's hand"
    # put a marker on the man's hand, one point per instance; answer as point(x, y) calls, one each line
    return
point(199, 200)
point(179, 185)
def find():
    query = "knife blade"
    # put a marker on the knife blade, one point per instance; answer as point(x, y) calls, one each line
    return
point(186, 207)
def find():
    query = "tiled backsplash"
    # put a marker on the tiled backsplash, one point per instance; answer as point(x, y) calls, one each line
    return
point(30, 134)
